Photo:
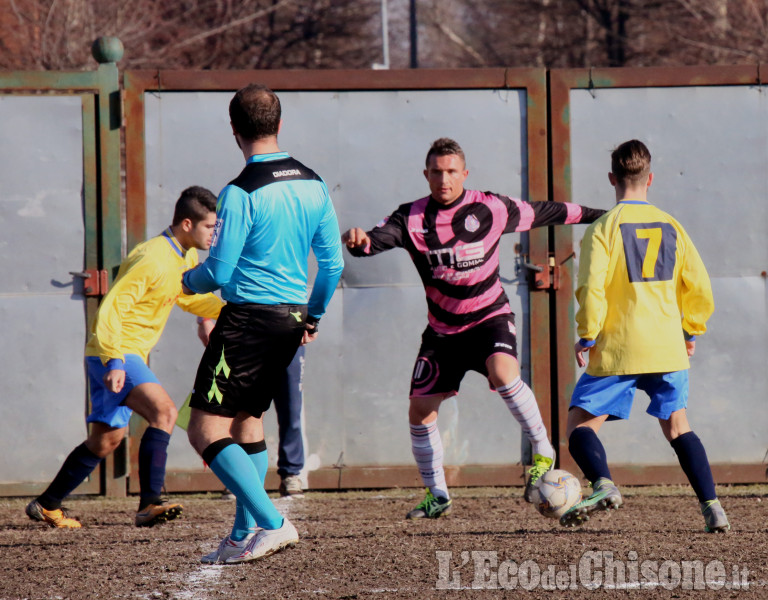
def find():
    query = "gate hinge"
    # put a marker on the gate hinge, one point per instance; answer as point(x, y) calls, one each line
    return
point(95, 281)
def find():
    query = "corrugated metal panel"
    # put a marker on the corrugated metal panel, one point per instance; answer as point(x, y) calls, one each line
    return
point(62, 212)
point(41, 305)
point(370, 148)
point(709, 142)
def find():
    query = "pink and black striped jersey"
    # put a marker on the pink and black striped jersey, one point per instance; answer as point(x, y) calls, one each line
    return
point(456, 249)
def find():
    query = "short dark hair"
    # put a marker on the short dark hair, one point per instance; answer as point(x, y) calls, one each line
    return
point(255, 112)
point(630, 162)
point(195, 203)
point(445, 147)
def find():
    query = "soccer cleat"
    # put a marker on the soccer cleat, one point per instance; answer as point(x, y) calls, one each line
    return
point(54, 518)
point(541, 464)
point(714, 516)
point(266, 542)
point(432, 507)
point(290, 485)
point(227, 549)
point(158, 513)
point(606, 496)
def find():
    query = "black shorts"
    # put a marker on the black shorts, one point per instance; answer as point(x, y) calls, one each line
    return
point(445, 359)
point(246, 357)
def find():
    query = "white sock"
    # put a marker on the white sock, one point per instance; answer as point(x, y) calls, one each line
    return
point(522, 404)
point(428, 451)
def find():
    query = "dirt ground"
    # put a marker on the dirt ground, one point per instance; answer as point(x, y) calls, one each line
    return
point(358, 545)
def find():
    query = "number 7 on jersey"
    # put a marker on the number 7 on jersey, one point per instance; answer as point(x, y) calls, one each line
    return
point(650, 251)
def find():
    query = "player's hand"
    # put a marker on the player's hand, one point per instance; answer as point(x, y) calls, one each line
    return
point(310, 330)
point(355, 238)
point(204, 329)
point(185, 290)
point(308, 337)
point(580, 350)
point(114, 380)
point(690, 346)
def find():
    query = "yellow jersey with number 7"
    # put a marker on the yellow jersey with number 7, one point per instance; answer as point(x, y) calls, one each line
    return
point(641, 284)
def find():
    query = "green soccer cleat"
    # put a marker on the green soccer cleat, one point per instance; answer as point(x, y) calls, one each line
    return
point(605, 496)
point(432, 507)
point(541, 464)
point(714, 517)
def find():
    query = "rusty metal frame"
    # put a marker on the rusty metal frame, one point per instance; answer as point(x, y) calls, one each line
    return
point(137, 83)
point(561, 83)
point(98, 91)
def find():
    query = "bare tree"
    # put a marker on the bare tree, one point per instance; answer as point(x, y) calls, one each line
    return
point(56, 34)
point(240, 34)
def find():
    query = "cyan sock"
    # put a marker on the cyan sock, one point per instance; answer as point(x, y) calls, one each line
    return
point(239, 474)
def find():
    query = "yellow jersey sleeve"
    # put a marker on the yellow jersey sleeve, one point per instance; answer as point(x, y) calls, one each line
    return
point(118, 315)
point(590, 287)
point(203, 305)
point(695, 292)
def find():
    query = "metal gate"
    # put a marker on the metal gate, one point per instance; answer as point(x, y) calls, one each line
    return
point(367, 133)
point(528, 133)
point(707, 130)
point(61, 239)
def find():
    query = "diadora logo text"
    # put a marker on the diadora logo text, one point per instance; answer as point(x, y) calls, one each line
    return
point(216, 232)
point(286, 173)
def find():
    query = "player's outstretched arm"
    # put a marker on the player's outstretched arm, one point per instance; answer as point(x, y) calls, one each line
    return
point(355, 238)
point(392, 232)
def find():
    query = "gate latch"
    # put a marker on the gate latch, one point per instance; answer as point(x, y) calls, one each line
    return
point(545, 277)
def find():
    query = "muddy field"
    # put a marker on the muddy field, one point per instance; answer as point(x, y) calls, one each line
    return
point(358, 545)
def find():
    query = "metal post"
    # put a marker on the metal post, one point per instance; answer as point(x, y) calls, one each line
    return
point(384, 37)
point(414, 37)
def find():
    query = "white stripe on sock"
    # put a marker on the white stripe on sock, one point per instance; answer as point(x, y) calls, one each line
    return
point(427, 449)
point(522, 404)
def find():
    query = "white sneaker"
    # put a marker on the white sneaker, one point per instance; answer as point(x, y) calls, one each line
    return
point(266, 542)
point(227, 548)
point(290, 485)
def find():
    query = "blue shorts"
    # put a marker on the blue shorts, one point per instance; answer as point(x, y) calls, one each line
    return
point(612, 395)
point(108, 407)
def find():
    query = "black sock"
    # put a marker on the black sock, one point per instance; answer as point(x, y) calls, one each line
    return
point(693, 458)
point(79, 464)
point(153, 454)
point(588, 452)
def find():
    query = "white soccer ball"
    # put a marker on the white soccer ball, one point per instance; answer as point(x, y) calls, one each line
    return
point(558, 491)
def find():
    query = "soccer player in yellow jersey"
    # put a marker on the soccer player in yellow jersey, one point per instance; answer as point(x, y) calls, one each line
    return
point(127, 326)
point(644, 295)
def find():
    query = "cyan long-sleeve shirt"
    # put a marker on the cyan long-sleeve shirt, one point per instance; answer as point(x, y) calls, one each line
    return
point(267, 219)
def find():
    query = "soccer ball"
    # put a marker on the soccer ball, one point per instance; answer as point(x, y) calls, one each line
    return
point(558, 491)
